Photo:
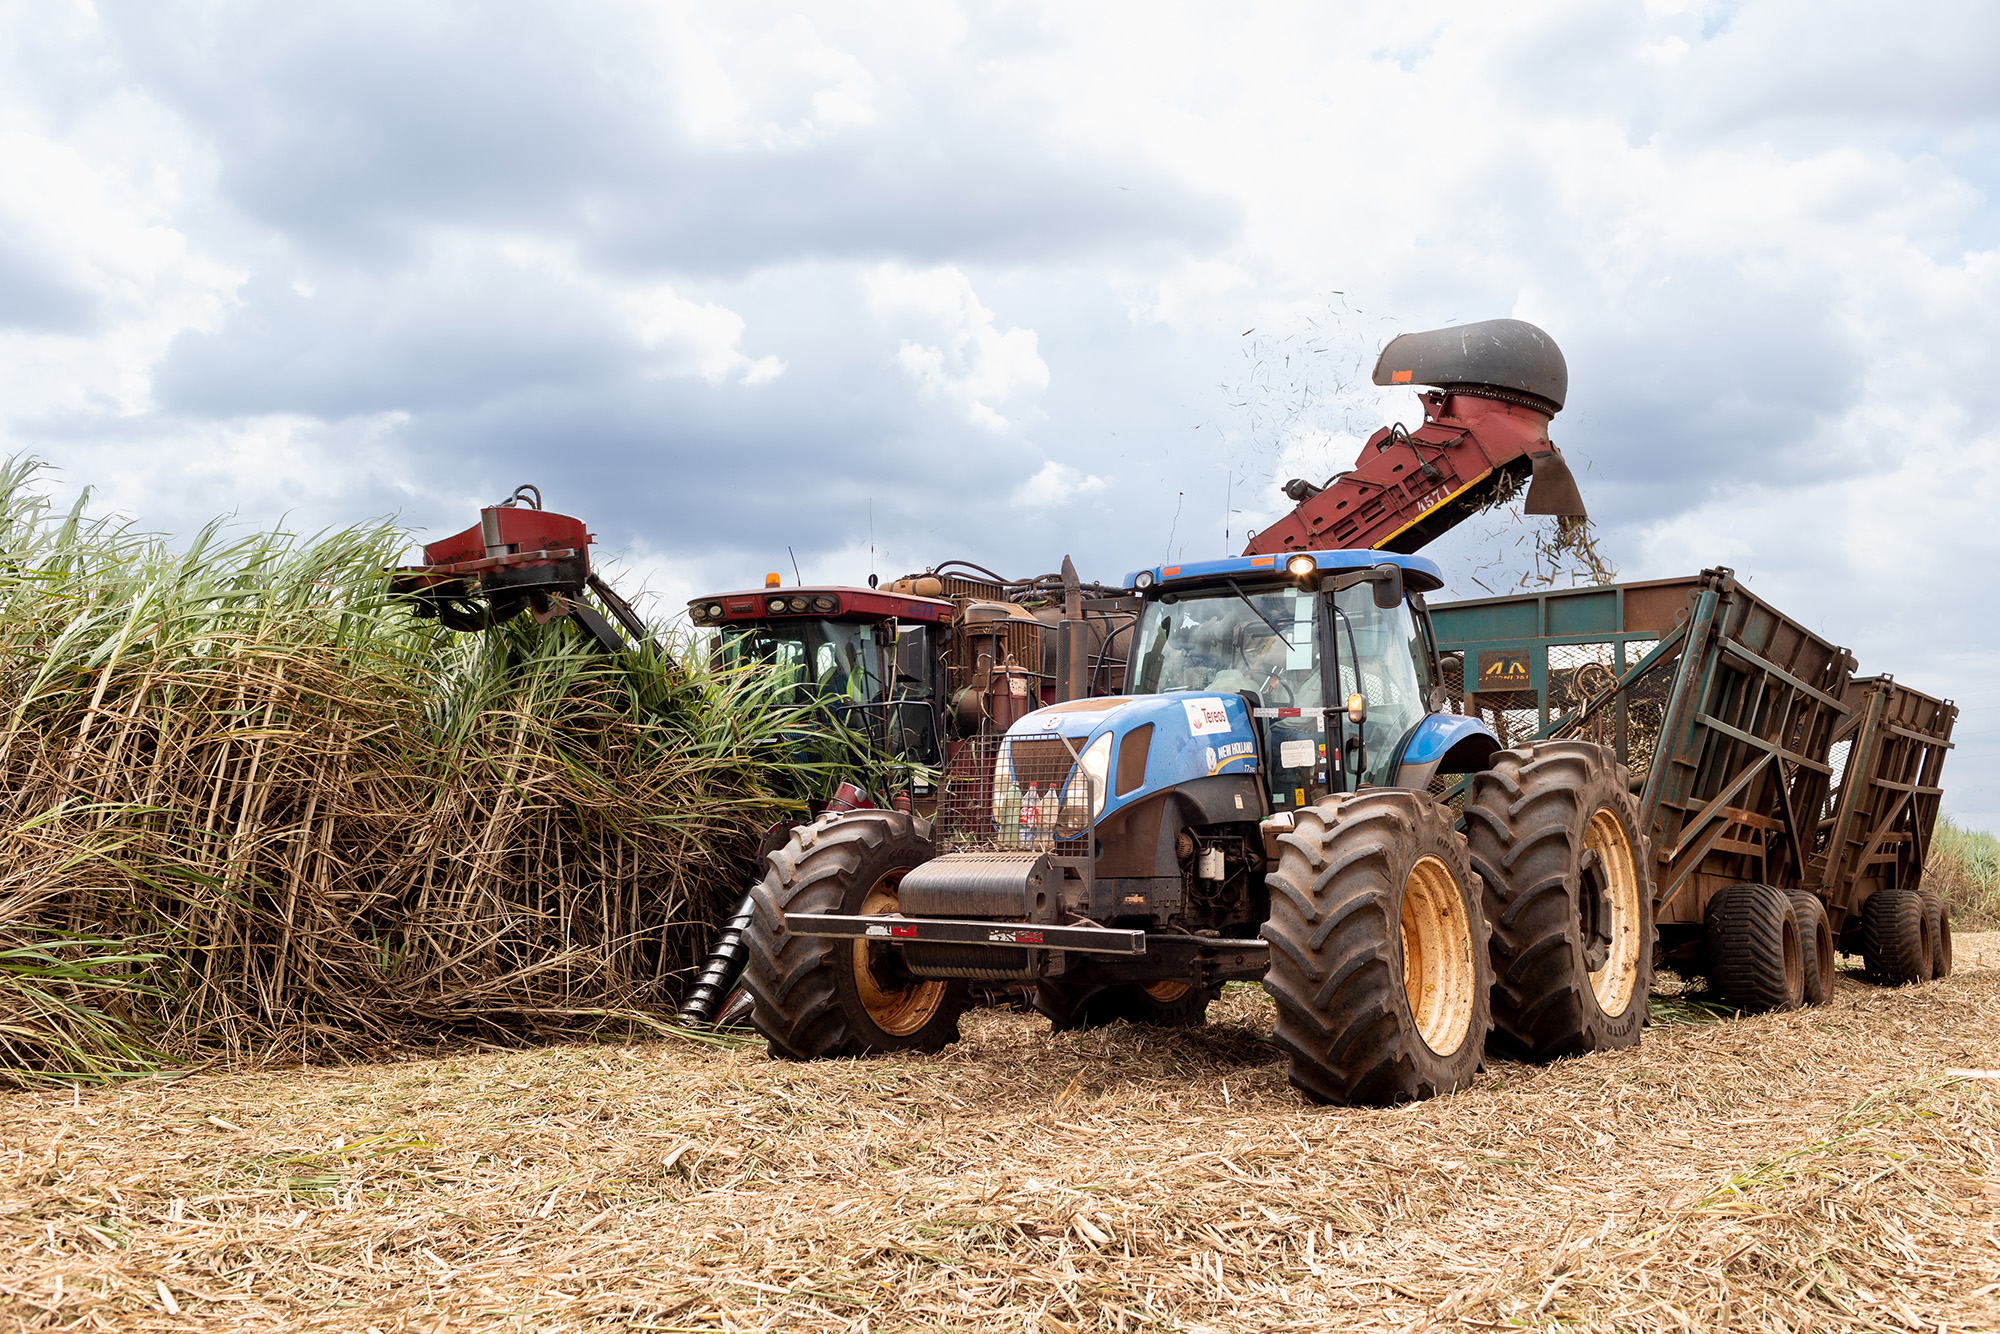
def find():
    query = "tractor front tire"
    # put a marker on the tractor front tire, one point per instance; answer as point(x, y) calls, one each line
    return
point(1895, 938)
point(1554, 832)
point(817, 996)
point(1156, 1004)
point(1756, 958)
point(1815, 945)
point(1378, 951)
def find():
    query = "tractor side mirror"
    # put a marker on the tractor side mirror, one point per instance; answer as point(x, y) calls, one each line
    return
point(1388, 581)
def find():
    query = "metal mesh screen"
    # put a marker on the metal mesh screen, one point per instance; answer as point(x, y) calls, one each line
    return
point(1576, 675)
point(1646, 708)
point(1021, 792)
point(1836, 759)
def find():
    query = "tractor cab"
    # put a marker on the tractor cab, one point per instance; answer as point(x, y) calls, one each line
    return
point(875, 659)
point(1329, 651)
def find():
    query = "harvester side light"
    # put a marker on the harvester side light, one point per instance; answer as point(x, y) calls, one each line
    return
point(826, 602)
point(1357, 708)
point(1144, 579)
point(696, 610)
point(715, 611)
point(801, 604)
point(775, 605)
point(771, 580)
point(1301, 565)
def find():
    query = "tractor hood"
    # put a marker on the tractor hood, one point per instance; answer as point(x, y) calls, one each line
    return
point(1156, 741)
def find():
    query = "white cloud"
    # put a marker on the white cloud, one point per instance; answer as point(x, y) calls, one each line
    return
point(971, 363)
point(1057, 485)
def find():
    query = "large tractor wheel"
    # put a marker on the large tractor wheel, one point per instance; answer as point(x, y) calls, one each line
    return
point(1166, 1004)
point(1378, 951)
point(1815, 945)
point(1554, 833)
point(814, 996)
point(1755, 958)
point(1937, 922)
point(1895, 938)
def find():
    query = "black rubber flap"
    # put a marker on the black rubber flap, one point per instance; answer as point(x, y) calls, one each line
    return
point(1499, 354)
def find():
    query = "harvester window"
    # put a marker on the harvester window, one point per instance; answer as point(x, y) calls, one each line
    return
point(815, 659)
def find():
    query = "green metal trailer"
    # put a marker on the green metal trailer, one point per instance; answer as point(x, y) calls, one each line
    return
point(1788, 804)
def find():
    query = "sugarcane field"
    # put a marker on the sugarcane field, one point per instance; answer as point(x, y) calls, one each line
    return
point(719, 667)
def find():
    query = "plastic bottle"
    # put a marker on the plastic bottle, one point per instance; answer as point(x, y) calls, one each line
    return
point(1010, 813)
point(1031, 815)
point(1047, 817)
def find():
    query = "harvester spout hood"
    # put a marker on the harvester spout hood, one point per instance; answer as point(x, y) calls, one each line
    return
point(1510, 360)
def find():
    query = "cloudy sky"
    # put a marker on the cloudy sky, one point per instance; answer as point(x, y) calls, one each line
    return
point(1004, 281)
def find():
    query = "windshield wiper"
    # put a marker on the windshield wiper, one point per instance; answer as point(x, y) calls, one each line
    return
point(1260, 614)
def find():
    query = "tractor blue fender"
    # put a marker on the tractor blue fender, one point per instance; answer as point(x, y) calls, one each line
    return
point(1444, 743)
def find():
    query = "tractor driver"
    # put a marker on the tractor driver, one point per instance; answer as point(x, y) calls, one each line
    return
point(1258, 666)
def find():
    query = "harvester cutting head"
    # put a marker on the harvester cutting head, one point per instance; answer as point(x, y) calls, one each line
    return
point(518, 557)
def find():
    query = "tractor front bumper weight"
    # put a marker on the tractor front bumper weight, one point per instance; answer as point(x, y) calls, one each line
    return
point(948, 931)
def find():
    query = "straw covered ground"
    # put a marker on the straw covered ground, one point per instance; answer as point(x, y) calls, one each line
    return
point(1821, 1169)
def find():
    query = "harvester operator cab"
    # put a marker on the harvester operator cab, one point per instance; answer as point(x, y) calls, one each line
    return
point(872, 658)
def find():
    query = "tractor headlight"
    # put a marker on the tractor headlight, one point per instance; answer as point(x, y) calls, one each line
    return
point(1301, 566)
point(1143, 579)
point(1095, 766)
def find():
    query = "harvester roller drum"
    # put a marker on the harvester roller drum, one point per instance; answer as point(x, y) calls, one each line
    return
point(1937, 920)
point(1816, 948)
point(1895, 938)
point(1378, 951)
point(1553, 830)
point(820, 996)
point(1755, 956)
point(725, 961)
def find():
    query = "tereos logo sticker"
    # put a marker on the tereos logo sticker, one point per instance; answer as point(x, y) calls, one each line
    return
point(1206, 716)
point(1503, 669)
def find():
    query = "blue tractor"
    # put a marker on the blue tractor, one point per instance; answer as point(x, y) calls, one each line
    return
point(1259, 808)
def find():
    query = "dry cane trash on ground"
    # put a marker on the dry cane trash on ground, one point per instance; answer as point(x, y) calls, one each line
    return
point(1821, 1169)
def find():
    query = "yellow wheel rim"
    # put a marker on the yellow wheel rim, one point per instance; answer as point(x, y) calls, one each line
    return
point(1612, 984)
point(1166, 993)
point(1438, 976)
point(897, 1011)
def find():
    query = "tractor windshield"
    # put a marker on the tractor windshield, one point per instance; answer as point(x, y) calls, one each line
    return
point(1267, 642)
point(833, 661)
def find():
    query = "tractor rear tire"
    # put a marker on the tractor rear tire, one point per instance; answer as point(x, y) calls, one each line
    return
point(817, 996)
point(1156, 1004)
point(1756, 958)
point(1378, 951)
point(1938, 921)
point(1895, 938)
point(1554, 833)
point(1816, 954)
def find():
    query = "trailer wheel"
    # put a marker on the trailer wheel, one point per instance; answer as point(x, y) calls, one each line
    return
point(815, 996)
point(1755, 956)
point(1378, 951)
point(1938, 922)
point(1895, 938)
point(1815, 946)
point(1553, 829)
point(1166, 1004)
